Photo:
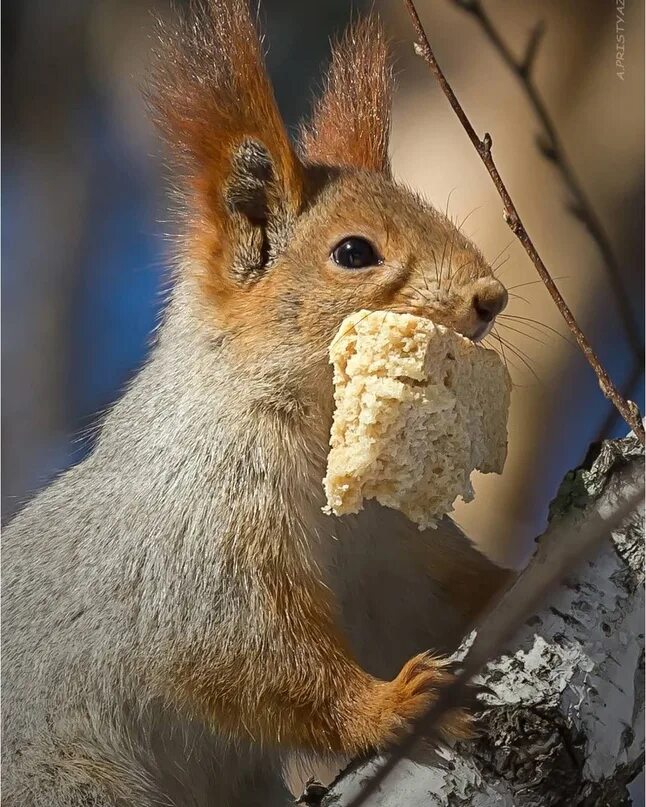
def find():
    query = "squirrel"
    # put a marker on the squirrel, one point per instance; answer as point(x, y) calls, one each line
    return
point(179, 614)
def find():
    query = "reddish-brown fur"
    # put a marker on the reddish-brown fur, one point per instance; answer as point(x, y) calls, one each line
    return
point(351, 121)
point(210, 91)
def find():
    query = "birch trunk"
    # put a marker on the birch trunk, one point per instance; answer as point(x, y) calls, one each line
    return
point(564, 723)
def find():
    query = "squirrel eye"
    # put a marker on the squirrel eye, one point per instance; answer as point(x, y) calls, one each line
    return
point(355, 253)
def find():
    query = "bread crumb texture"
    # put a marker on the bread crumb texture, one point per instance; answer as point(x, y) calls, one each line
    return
point(418, 408)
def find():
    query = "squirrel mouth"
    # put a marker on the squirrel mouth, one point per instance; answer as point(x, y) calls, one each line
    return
point(476, 335)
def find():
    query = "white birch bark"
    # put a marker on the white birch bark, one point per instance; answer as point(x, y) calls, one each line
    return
point(564, 723)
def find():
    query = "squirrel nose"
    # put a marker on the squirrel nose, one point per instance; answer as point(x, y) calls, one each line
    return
point(489, 298)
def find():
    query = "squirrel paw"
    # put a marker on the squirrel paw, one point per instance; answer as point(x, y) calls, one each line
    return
point(413, 691)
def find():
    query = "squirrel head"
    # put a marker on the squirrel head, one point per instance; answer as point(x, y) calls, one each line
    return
point(283, 241)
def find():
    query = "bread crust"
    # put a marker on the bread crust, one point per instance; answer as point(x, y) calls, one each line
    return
point(418, 408)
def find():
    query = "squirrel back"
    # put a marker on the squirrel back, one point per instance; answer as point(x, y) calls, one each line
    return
point(178, 612)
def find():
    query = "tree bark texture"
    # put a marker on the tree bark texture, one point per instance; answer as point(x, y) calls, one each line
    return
point(564, 716)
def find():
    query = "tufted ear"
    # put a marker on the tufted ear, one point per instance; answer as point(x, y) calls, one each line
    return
point(350, 125)
point(211, 96)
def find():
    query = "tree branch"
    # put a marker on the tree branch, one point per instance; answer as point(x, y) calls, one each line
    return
point(564, 716)
point(628, 409)
point(551, 147)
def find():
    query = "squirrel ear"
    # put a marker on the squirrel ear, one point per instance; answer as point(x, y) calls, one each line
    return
point(350, 125)
point(211, 96)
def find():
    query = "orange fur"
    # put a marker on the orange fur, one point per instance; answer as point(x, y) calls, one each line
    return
point(350, 125)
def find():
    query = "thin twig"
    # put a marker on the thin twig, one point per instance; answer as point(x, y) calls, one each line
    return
point(569, 545)
point(551, 147)
point(632, 386)
point(628, 409)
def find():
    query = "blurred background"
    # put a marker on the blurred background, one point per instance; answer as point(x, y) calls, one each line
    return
point(84, 214)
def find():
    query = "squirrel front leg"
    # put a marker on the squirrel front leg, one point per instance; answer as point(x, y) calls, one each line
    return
point(297, 685)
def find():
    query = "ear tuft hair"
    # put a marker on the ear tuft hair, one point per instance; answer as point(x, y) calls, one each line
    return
point(350, 125)
point(210, 95)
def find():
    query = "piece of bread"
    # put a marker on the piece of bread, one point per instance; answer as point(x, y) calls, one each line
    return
point(418, 408)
